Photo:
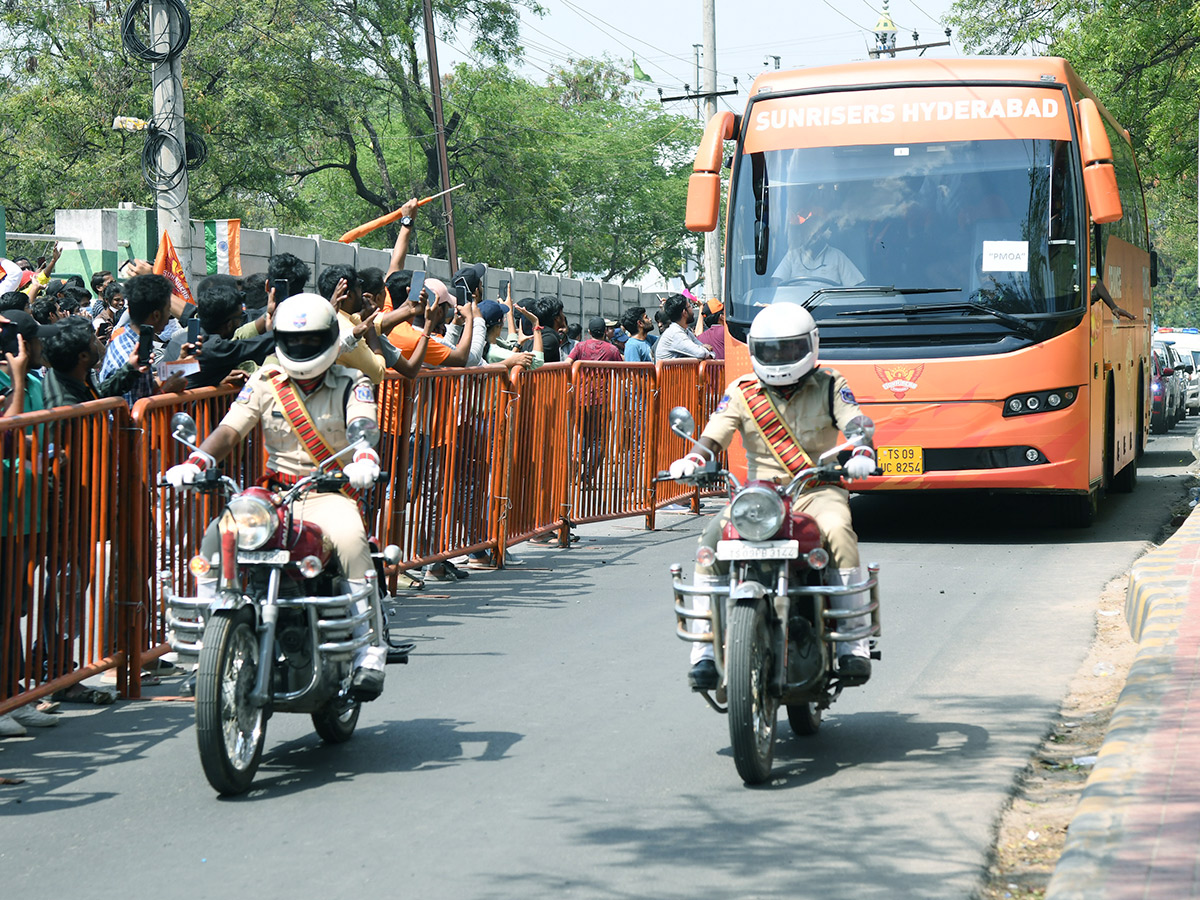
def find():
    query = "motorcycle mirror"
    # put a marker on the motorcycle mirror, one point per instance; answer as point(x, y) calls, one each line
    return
point(860, 428)
point(183, 427)
point(681, 421)
point(363, 430)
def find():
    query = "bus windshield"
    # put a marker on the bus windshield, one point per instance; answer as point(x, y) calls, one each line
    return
point(965, 243)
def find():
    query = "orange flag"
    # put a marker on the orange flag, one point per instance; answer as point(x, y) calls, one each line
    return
point(167, 264)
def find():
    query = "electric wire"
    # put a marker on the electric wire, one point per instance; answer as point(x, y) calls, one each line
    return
point(134, 44)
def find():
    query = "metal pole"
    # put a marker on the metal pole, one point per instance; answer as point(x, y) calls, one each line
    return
point(712, 239)
point(174, 215)
point(439, 123)
point(696, 47)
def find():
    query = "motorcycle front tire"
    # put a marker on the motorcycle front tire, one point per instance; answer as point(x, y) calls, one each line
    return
point(752, 709)
point(230, 731)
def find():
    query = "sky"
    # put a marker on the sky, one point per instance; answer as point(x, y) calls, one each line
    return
point(660, 34)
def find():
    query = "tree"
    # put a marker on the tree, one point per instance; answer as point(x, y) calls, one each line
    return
point(317, 117)
point(1141, 59)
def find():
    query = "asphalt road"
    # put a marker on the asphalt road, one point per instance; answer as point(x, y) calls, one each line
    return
point(543, 742)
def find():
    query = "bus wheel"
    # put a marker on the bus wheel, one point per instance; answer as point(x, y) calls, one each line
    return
point(1078, 510)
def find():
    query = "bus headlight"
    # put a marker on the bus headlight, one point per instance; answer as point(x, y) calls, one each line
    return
point(256, 521)
point(757, 513)
point(1039, 402)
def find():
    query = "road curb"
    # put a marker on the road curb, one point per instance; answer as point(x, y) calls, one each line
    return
point(1122, 786)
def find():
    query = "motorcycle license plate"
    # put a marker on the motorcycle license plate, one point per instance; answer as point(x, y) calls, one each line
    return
point(902, 460)
point(264, 557)
point(738, 550)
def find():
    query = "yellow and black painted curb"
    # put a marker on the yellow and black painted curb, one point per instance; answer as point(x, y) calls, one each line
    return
point(1159, 585)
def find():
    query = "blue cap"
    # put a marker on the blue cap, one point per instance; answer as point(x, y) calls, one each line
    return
point(492, 312)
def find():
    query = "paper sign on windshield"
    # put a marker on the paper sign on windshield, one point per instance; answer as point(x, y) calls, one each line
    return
point(1006, 256)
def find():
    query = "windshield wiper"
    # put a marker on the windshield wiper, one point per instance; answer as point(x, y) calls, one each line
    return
point(1014, 322)
point(818, 296)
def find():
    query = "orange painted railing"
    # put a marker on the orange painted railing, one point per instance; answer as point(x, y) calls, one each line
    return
point(61, 548)
point(477, 459)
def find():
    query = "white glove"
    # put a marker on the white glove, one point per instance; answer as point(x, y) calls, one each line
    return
point(686, 466)
point(363, 471)
point(185, 473)
point(861, 464)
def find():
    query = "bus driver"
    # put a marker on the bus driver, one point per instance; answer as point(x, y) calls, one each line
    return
point(810, 257)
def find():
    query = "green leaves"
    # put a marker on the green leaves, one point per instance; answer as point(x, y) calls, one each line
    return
point(317, 116)
point(1142, 60)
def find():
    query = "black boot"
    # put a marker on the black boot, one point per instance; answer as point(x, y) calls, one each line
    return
point(366, 684)
point(703, 676)
point(854, 670)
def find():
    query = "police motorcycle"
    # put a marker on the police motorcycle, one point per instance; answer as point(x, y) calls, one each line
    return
point(776, 625)
point(281, 632)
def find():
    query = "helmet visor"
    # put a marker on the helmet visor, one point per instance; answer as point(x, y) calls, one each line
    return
point(780, 351)
point(304, 345)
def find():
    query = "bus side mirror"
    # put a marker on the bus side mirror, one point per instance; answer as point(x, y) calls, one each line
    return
point(1099, 174)
point(1153, 268)
point(704, 185)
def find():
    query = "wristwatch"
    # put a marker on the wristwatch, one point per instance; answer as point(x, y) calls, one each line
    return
point(406, 221)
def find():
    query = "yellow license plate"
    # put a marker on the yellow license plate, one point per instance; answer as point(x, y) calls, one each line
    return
point(902, 460)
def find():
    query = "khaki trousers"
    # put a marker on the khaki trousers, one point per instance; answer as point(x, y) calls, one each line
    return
point(337, 516)
point(827, 503)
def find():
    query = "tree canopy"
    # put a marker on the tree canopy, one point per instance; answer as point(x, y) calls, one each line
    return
point(1141, 59)
point(317, 116)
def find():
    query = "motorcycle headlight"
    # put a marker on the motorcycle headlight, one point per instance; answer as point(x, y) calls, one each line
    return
point(256, 521)
point(757, 513)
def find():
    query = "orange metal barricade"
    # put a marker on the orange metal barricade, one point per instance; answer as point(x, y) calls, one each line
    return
point(60, 548)
point(533, 498)
point(477, 459)
point(678, 385)
point(612, 405)
point(454, 466)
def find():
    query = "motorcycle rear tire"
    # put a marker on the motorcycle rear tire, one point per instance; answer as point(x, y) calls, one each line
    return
point(752, 709)
point(805, 718)
point(335, 722)
point(230, 738)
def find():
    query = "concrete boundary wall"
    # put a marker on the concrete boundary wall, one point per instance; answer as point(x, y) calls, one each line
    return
point(108, 237)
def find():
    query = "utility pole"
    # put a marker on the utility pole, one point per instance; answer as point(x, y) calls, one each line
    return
point(174, 215)
point(712, 239)
point(439, 123)
point(697, 47)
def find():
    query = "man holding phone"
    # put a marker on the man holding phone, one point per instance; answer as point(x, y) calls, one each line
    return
point(149, 306)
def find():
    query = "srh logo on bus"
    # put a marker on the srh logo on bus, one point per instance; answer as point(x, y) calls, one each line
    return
point(899, 379)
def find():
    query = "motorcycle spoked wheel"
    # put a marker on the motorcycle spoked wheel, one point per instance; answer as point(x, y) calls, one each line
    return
point(752, 710)
point(229, 729)
point(335, 721)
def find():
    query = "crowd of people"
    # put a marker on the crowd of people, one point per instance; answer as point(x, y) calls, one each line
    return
point(64, 341)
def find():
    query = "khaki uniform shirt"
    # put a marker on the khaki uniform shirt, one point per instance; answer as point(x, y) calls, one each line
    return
point(806, 412)
point(343, 396)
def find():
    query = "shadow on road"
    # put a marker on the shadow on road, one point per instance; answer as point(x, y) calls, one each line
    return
point(307, 763)
point(80, 747)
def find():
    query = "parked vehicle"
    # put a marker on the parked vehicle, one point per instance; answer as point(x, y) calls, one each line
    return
point(282, 631)
point(774, 629)
point(1163, 393)
point(1182, 363)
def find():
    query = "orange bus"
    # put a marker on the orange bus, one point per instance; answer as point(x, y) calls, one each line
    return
point(947, 223)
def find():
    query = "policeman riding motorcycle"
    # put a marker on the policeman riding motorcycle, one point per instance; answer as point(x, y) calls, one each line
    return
point(795, 611)
point(313, 414)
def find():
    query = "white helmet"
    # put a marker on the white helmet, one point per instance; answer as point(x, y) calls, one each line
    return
point(306, 335)
point(783, 344)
